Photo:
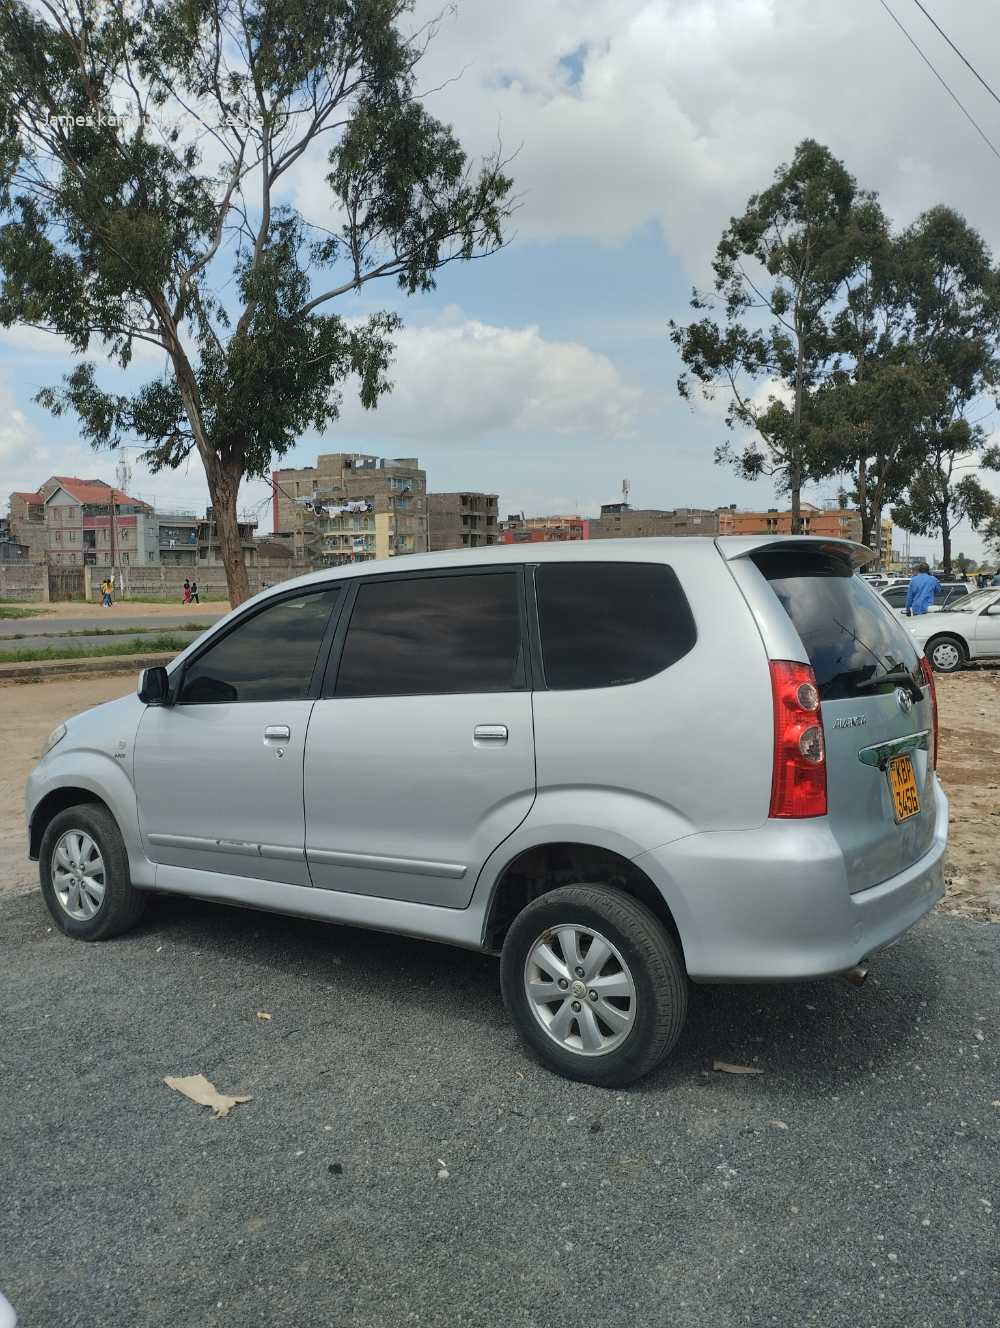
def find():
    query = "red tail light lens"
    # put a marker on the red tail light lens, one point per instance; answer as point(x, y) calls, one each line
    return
point(928, 672)
point(798, 784)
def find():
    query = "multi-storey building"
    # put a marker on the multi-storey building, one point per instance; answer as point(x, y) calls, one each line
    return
point(830, 520)
point(461, 520)
point(92, 523)
point(519, 529)
point(350, 507)
point(27, 524)
point(620, 521)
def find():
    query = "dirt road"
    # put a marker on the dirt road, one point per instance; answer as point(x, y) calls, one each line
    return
point(969, 768)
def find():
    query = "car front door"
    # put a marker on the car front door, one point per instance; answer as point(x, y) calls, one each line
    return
point(420, 758)
point(985, 641)
point(218, 774)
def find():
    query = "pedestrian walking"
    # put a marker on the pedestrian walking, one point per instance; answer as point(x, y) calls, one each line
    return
point(106, 593)
point(186, 592)
point(921, 590)
point(194, 593)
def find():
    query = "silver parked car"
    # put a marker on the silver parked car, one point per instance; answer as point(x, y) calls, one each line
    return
point(620, 765)
point(962, 631)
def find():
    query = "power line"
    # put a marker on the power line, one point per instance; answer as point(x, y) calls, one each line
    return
point(988, 141)
point(968, 63)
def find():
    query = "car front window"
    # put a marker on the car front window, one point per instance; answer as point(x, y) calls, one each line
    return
point(973, 603)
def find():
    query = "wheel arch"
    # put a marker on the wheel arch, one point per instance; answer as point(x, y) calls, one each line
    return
point(543, 867)
point(54, 802)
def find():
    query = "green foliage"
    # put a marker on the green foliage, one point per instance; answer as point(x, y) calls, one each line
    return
point(778, 270)
point(144, 155)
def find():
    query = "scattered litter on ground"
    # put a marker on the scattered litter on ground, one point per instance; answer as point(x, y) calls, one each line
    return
point(263, 1014)
point(778, 1124)
point(205, 1094)
point(443, 1173)
point(335, 1169)
point(724, 1067)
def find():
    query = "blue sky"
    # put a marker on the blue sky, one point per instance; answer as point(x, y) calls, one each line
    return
point(545, 373)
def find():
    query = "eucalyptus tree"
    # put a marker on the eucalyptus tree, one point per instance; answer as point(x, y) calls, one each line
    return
point(210, 177)
point(767, 342)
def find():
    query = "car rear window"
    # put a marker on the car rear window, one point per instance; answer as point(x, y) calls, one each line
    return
point(849, 635)
point(607, 624)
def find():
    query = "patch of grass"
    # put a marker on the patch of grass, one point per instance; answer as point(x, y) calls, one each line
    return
point(112, 631)
point(154, 645)
point(169, 599)
point(8, 610)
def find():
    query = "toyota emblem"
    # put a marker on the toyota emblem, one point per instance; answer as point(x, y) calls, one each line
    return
point(904, 700)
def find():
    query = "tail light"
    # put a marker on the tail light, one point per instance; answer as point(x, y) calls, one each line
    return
point(928, 672)
point(798, 784)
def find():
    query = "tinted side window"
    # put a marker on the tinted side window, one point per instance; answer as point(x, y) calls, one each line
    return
point(896, 596)
point(425, 635)
point(270, 657)
point(603, 624)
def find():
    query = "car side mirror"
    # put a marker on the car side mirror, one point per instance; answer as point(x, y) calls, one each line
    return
point(154, 686)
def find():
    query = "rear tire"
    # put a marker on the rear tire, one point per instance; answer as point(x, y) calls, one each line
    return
point(630, 993)
point(83, 869)
point(947, 654)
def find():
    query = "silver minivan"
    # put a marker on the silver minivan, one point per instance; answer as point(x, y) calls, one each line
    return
point(621, 765)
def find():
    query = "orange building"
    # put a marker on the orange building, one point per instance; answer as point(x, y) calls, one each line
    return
point(831, 522)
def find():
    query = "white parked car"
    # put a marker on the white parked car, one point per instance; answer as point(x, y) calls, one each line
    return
point(968, 631)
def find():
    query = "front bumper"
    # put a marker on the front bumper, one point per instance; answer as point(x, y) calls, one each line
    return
point(774, 904)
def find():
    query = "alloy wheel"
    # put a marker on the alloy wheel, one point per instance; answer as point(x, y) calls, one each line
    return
point(78, 877)
point(580, 990)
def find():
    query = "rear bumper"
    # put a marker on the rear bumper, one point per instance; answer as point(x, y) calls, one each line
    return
point(775, 904)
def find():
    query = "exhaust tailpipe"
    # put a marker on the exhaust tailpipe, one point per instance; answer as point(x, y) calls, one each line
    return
point(856, 976)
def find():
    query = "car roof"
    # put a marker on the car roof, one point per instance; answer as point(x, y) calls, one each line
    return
point(649, 549)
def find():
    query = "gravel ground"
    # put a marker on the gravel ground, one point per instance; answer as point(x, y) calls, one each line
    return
point(853, 1182)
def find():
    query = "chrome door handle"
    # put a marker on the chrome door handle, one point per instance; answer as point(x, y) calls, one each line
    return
point(277, 733)
point(490, 733)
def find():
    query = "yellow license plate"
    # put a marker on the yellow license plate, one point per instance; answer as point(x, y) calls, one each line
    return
point(903, 787)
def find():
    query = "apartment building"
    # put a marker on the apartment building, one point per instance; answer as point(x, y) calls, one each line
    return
point(829, 520)
point(462, 520)
point(621, 521)
point(92, 523)
point(351, 507)
point(26, 524)
point(519, 529)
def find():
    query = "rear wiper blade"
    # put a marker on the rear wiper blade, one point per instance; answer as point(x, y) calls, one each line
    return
point(900, 676)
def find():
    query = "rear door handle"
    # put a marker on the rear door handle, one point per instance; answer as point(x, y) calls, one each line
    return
point(490, 733)
point(277, 733)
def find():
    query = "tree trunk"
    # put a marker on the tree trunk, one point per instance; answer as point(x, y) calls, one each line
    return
point(862, 487)
point(945, 543)
point(795, 469)
point(223, 485)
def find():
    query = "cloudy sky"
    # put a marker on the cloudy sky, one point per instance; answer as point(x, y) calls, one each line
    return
point(640, 127)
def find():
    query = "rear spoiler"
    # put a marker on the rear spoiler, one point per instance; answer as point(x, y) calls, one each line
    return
point(744, 546)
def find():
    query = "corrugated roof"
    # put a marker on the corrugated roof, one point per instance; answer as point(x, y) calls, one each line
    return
point(28, 497)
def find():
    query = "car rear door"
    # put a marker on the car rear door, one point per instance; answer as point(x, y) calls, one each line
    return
point(878, 730)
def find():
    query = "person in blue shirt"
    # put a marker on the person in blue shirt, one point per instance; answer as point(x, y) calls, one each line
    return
point(920, 592)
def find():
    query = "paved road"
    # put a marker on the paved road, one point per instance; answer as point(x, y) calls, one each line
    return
point(164, 622)
point(683, 1202)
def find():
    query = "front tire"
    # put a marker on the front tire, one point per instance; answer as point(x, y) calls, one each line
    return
point(83, 869)
point(947, 654)
point(594, 984)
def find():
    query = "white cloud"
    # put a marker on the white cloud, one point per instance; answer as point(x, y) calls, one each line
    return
point(461, 380)
point(676, 110)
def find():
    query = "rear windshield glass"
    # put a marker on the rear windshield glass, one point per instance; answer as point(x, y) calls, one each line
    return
point(850, 637)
